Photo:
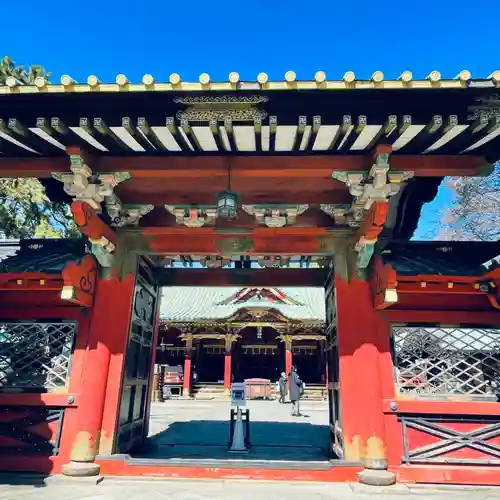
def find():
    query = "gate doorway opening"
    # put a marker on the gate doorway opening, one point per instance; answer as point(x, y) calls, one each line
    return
point(218, 335)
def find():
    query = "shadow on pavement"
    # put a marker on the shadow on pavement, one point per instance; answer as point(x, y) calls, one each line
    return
point(209, 439)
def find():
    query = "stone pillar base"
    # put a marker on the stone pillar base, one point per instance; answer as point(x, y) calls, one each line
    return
point(377, 477)
point(81, 469)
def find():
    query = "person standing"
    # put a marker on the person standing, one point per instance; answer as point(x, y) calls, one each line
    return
point(282, 387)
point(296, 391)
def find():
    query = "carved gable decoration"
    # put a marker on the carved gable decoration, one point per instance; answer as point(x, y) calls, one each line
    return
point(256, 314)
point(266, 295)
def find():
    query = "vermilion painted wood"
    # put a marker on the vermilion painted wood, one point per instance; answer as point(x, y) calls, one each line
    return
point(288, 361)
point(362, 344)
point(466, 475)
point(48, 399)
point(464, 317)
point(442, 407)
point(250, 167)
point(227, 371)
point(116, 317)
point(121, 468)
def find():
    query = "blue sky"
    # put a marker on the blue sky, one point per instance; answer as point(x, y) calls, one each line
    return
point(108, 37)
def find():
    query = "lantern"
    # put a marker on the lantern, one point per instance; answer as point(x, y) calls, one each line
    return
point(227, 201)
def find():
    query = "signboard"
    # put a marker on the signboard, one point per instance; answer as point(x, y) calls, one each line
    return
point(238, 394)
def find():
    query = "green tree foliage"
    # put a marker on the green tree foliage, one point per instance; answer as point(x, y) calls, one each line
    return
point(475, 212)
point(25, 210)
point(24, 77)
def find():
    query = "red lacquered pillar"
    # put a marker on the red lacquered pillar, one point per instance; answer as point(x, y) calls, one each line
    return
point(362, 346)
point(110, 319)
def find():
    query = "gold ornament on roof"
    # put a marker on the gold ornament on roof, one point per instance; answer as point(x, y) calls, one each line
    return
point(349, 77)
point(148, 79)
point(406, 76)
point(320, 77)
point(464, 75)
point(175, 79)
point(93, 81)
point(66, 80)
point(234, 77)
point(204, 78)
point(121, 80)
point(262, 78)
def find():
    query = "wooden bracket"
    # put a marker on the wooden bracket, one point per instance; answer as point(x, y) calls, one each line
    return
point(102, 237)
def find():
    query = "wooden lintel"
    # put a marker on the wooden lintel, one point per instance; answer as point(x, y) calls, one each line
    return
point(246, 166)
point(265, 241)
point(241, 277)
point(32, 282)
point(448, 288)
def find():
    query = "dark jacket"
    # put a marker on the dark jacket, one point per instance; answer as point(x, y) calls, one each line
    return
point(295, 386)
point(282, 385)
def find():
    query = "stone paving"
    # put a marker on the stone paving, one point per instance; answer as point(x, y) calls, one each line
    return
point(200, 429)
point(114, 489)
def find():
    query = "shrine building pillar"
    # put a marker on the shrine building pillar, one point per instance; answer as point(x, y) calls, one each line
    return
point(288, 340)
point(188, 357)
point(109, 325)
point(363, 346)
point(229, 341)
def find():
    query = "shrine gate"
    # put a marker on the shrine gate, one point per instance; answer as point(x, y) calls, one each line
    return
point(253, 182)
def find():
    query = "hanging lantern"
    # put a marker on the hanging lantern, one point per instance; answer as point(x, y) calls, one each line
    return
point(227, 204)
point(227, 201)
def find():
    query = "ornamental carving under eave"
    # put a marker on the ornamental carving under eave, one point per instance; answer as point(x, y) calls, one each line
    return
point(193, 216)
point(487, 107)
point(222, 108)
point(82, 185)
point(275, 215)
point(125, 215)
point(369, 190)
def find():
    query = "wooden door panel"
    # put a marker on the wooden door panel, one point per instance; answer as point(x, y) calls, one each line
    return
point(138, 359)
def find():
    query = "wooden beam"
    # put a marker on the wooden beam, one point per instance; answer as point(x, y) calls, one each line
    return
point(241, 277)
point(91, 224)
point(209, 241)
point(246, 166)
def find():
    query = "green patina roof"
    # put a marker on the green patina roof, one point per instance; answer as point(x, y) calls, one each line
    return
point(183, 304)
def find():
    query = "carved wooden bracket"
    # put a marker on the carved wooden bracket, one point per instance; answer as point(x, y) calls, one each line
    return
point(383, 284)
point(79, 281)
point(125, 215)
point(102, 237)
point(97, 189)
point(287, 340)
point(275, 215)
point(193, 216)
point(229, 340)
point(371, 192)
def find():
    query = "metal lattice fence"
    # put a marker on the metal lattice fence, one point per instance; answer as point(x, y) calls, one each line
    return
point(35, 356)
point(447, 361)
